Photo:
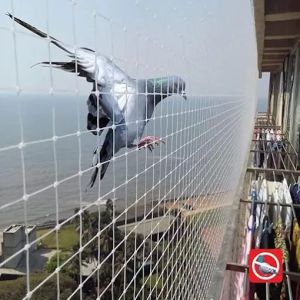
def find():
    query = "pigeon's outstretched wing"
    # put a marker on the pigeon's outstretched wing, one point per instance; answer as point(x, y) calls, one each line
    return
point(94, 68)
point(85, 62)
point(42, 34)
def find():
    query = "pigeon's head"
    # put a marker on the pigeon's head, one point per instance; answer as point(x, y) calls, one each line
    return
point(176, 86)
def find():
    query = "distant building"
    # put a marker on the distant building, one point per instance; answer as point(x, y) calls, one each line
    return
point(14, 239)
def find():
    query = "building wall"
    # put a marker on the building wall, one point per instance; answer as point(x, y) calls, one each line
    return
point(14, 241)
point(31, 238)
point(274, 97)
point(284, 96)
point(296, 108)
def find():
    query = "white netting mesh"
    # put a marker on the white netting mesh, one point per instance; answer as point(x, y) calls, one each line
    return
point(153, 226)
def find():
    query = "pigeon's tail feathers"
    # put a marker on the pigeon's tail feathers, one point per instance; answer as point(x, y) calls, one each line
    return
point(104, 156)
point(42, 34)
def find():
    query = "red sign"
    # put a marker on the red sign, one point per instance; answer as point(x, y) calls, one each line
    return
point(265, 265)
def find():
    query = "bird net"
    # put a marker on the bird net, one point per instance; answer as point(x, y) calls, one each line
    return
point(124, 130)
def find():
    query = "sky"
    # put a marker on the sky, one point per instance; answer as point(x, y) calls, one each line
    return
point(207, 43)
point(262, 92)
point(263, 86)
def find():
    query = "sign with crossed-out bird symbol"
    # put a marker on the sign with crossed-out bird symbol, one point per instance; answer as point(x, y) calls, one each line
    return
point(265, 265)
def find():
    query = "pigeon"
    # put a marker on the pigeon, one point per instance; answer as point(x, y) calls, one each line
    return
point(135, 108)
point(121, 104)
point(264, 267)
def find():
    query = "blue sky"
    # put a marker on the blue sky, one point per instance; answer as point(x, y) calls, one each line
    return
point(211, 44)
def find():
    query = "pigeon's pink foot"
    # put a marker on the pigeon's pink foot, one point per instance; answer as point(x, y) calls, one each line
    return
point(149, 142)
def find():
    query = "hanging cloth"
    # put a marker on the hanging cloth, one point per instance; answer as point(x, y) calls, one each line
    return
point(295, 237)
point(256, 156)
point(295, 195)
point(260, 213)
point(296, 246)
point(241, 279)
point(266, 242)
point(280, 243)
point(286, 211)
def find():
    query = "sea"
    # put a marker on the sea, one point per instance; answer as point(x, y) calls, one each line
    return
point(31, 161)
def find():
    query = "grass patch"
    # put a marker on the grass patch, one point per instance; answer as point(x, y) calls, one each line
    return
point(17, 289)
point(67, 238)
point(152, 281)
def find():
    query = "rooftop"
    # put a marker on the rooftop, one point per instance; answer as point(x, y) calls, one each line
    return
point(13, 228)
point(150, 226)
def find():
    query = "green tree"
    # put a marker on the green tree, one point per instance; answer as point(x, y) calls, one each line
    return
point(111, 240)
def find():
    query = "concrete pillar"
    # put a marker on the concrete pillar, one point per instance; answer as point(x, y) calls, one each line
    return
point(295, 104)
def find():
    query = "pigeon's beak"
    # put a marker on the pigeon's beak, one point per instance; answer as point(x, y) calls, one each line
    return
point(183, 95)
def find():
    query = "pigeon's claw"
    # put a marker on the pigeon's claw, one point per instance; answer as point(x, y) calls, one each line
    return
point(149, 142)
